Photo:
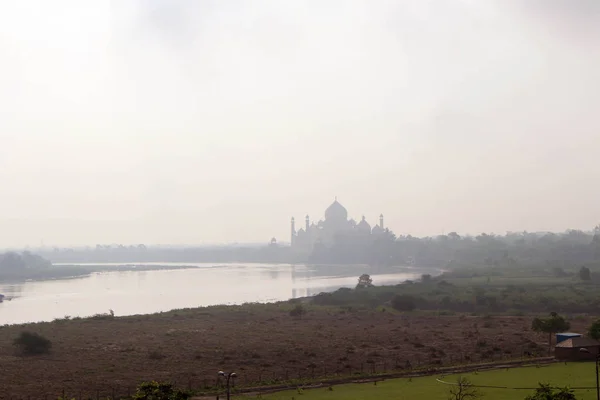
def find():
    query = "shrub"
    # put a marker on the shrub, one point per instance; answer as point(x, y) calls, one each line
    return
point(297, 311)
point(104, 316)
point(545, 392)
point(159, 391)
point(31, 343)
point(403, 302)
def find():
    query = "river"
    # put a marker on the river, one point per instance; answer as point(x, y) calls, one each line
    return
point(146, 292)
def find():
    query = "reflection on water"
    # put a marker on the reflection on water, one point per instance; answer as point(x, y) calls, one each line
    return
point(144, 292)
point(274, 274)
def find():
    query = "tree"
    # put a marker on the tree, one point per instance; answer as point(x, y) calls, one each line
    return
point(464, 390)
point(596, 244)
point(553, 324)
point(585, 274)
point(31, 343)
point(545, 392)
point(454, 236)
point(364, 281)
point(594, 331)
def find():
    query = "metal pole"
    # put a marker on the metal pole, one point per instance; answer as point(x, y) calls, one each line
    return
point(597, 378)
point(229, 377)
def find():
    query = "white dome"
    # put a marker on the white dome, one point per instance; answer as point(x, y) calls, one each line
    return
point(363, 225)
point(336, 211)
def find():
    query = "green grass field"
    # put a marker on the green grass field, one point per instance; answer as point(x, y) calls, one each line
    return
point(572, 375)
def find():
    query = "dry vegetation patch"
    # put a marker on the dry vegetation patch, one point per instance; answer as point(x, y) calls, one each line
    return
point(260, 343)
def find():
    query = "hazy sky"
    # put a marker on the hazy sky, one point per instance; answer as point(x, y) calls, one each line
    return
point(163, 121)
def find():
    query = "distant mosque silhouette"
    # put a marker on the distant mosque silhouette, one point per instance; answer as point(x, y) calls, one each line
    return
point(336, 223)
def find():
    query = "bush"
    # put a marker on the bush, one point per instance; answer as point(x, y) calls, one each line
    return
point(159, 391)
point(104, 316)
point(30, 343)
point(545, 392)
point(403, 302)
point(297, 311)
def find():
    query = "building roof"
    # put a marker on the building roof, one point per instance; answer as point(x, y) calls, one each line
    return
point(569, 334)
point(581, 341)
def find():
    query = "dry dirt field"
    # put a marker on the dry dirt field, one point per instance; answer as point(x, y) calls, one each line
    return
point(93, 358)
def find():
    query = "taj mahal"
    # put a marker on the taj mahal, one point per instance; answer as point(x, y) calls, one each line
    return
point(336, 223)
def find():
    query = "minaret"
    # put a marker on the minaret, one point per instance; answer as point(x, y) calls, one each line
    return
point(293, 230)
point(381, 221)
point(307, 223)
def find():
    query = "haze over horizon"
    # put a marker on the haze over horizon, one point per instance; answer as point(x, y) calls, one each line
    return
point(165, 121)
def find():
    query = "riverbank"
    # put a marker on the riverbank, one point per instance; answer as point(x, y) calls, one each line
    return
point(263, 343)
point(67, 271)
point(147, 290)
point(78, 270)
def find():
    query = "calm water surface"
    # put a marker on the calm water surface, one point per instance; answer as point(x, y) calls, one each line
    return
point(145, 292)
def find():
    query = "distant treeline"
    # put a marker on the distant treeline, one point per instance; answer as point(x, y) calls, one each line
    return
point(444, 251)
point(452, 250)
point(143, 254)
point(26, 264)
point(11, 261)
